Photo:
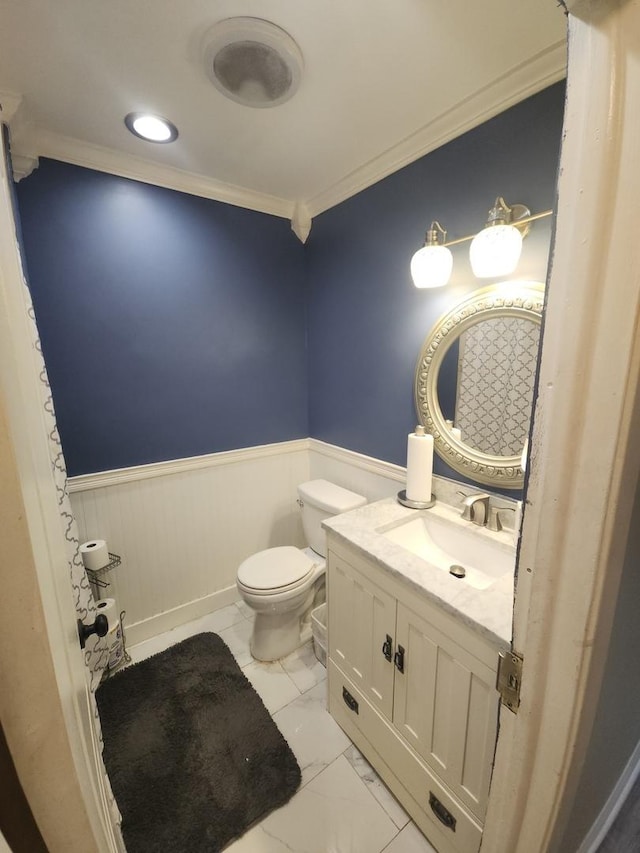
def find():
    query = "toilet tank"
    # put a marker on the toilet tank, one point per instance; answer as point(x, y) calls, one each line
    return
point(320, 499)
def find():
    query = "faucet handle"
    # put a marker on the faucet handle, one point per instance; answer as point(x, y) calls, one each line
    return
point(494, 522)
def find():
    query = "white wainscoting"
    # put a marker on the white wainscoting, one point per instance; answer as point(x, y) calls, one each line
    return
point(365, 475)
point(183, 527)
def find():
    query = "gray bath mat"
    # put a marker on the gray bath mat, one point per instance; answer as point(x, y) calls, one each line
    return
point(193, 756)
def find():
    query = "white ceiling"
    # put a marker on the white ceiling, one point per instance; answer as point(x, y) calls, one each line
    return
point(385, 81)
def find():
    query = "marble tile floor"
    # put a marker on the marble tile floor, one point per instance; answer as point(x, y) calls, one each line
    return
point(342, 805)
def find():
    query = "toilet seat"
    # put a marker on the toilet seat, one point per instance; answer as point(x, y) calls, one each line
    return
point(275, 570)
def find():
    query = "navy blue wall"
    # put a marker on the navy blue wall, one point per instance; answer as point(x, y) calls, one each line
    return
point(174, 325)
point(171, 325)
point(366, 319)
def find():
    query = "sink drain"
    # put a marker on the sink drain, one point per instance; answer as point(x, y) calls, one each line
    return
point(457, 571)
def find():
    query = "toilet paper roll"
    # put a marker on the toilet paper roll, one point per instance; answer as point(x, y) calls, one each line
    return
point(115, 657)
point(419, 465)
point(109, 608)
point(95, 554)
point(115, 644)
point(114, 637)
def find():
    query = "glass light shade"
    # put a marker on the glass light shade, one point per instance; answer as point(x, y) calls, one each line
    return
point(495, 251)
point(431, 266)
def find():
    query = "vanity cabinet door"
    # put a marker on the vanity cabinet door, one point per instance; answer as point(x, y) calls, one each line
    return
point(361, 616)
point(446, 708)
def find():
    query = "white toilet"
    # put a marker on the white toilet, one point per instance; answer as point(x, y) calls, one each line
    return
point(281, 585)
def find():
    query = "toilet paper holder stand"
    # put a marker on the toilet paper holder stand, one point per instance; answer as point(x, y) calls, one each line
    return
point(95, 575)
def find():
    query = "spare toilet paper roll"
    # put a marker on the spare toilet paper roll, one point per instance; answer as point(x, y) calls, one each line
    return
point(95, 554)
point(419, 465)
point(115, 645)
point(109, 608)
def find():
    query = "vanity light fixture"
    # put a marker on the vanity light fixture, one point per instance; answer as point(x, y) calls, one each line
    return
point(151, 128)
point(432, 264)
point(494, 252)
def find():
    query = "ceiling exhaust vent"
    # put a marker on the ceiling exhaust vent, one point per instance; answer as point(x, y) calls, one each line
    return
point(253, 61)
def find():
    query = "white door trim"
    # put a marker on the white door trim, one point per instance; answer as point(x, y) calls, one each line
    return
point(584, 465)
point(69, 787)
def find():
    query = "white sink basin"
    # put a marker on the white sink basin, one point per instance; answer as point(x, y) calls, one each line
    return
point(446, 544)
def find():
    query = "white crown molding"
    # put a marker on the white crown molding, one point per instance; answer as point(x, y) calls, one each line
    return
point(102, 159)
point(301, 221)
point(118, 476)
point(359, 460)
point(10, 103)
point(519, 83)
point(22, 165)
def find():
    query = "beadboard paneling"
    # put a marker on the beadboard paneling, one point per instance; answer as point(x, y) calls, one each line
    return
point(183, 535)
point(364, 475)
point(183, 527)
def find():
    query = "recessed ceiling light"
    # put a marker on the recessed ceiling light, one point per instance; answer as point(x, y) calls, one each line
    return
point(150, 127)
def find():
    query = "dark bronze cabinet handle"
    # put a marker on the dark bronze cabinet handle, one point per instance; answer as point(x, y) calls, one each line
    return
point(349, 701)
point(386, 648)
point(443, 814)
point(399, 659)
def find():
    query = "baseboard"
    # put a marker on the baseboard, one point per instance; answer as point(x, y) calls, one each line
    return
point(138, 632)
point(596, 835)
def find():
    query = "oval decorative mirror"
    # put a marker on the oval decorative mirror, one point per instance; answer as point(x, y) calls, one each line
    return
point(475, 379)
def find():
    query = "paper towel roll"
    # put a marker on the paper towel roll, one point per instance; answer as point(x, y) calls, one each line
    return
point(109, 608)
point(419, 465)
point(95, 554)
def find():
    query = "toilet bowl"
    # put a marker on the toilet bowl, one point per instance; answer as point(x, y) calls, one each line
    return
point(282, 585)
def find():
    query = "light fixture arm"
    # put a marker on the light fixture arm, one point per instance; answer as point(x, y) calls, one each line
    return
point(520, 223)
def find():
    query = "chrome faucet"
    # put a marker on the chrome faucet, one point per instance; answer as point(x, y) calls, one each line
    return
point(475, 508)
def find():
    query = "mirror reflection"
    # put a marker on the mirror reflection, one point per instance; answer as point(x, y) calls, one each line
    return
point(485, 384)
point(475, 381)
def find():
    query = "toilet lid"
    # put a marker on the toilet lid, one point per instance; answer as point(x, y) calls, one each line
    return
point(275, 568)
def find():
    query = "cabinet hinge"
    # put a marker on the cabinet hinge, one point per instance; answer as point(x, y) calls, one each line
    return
point(509, 679)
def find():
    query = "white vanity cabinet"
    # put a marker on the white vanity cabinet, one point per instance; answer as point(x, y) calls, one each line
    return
point(415, 690)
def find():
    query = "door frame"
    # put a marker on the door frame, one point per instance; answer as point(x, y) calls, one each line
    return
point(584, 462)
point(45, 715)
point(578, 500)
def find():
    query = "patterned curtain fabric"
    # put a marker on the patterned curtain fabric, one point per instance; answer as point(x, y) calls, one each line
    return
point(496, 372)
point(96, 653)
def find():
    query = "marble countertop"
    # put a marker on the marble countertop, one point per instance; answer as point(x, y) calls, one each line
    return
point(488, 611)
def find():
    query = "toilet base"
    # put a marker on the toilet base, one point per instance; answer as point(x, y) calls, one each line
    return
point(276, 635)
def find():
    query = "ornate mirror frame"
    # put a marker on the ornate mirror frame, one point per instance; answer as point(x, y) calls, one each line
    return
point(523, 300)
